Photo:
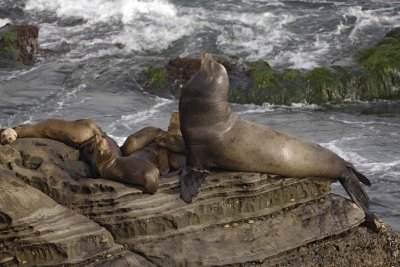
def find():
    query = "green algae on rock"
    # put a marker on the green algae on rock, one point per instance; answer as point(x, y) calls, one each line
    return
point(375, 76)
point(381, 64)
point(18, 45)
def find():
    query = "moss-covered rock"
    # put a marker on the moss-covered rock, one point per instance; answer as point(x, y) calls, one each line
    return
point(322, 86)
point(377, 76)
point(18, 45)
point(381, 65)
point(156, 78)
point(167, 80)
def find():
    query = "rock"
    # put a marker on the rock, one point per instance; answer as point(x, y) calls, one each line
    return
point(36, 231)
point(167, 80)
point(373, 75)
point(237, 218)
point(18, 45)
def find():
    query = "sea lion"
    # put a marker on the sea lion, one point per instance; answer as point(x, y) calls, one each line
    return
point(155, 154)
point(135, 171)
point(87, 151)
point(8, 136)
point(172, 139)
point(140, 139)
point(162, 148)
point(72, 133)
point(217, 137)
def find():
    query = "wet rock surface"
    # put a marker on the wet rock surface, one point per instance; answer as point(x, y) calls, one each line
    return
point(237, 218)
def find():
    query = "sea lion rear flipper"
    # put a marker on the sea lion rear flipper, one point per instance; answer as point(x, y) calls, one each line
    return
point(359, 175)
point(191, 179)
point(351, 184)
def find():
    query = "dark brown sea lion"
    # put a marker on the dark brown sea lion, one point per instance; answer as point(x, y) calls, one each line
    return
point(155, 154)
point(72, 133)
point(131, 170)
point(216, 137)
point(88, 149)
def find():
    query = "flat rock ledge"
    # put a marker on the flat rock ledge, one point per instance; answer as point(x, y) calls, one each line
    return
point(52, 213)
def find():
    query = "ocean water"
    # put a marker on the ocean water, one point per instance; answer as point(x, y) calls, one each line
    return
point(94, 49)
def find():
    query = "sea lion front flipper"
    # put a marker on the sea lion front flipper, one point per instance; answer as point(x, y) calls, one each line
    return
point(191, 179)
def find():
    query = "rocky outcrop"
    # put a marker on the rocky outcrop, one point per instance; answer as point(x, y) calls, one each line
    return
point(18, 45)
point(374, 75)
point(36, 231)
point(237, 218)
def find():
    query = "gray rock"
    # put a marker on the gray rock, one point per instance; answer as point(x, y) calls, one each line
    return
point(36, 231)
point(237, 218)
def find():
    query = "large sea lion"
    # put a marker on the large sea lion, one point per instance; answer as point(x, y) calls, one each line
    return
point(216, 137)
point(72, 133)
point(135, 171)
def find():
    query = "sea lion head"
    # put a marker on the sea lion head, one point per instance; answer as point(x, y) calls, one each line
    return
point(174, 125)
point(210, 81)
point(8, 136)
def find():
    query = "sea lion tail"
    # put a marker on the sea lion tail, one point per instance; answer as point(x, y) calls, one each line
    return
point(351, 183)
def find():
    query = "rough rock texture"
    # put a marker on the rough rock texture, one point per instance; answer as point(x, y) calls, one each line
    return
point(238, 219)
point(18, 45)
point(36, 231)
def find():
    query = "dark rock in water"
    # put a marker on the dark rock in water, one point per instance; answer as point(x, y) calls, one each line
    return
point(237, 219)
point(374, 75)
point(167, 81)
point(18, 45)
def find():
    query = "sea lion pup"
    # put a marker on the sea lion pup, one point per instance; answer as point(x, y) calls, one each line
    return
point(216, 137)
point(129, 170)
point(8, 136)
point(72, 133)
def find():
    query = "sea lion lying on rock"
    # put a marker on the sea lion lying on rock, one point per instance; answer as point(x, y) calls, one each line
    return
point(216, 137)
point(162, 148)
point(131, 170)
point(72, 133)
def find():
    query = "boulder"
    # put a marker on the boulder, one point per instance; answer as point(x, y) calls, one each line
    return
point(18, 45)
point(237, 219)
point(374, 74)
point(37, 231)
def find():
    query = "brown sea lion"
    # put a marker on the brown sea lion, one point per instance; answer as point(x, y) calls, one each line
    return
point(140, 139)
point(216, 137)
point(8, 136)
point(155, 154)
point(72, 133)
point(87, 151)
point(158, 146)
point(172, 139)
point(131, 170)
